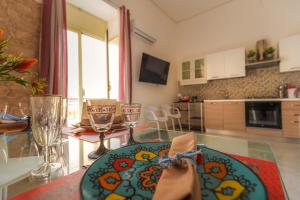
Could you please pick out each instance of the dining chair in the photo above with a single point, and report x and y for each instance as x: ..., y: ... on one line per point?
x: 173, y: 114
x: 154, y: 115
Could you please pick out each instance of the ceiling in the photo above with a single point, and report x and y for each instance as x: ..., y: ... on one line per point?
x: 99, y: 8
x: 181, y: 10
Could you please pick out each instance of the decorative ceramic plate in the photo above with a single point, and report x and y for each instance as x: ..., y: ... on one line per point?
x: 132, y: 172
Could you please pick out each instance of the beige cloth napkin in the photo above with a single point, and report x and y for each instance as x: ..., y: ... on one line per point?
x: 177, y: 183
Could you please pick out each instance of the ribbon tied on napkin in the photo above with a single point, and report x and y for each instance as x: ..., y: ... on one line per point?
x: 179, y: 159
x: 179, y: 179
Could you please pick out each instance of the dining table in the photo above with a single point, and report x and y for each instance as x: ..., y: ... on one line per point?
x: 22, y: 155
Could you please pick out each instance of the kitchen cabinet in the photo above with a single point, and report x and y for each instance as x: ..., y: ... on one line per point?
x: 193, y: 72
x: 235, y: 65
x: 291, y: 118
x: 234, y: 116
x: 289, y: 49
x: 213, y: 115
x: 225, y: 115
x: 215, y: 66
x: 226, y: 64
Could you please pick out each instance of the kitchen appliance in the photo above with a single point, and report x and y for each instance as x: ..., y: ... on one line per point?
x: 292, y: 91
x: 281, y: 90
x: 263, y: 114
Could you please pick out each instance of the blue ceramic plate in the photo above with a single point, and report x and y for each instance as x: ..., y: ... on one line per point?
x: 132, y: 172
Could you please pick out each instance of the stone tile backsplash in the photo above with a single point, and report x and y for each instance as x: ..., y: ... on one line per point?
x: 260, y: 82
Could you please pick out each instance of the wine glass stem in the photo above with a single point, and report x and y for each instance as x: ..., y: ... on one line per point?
x: 46, y: 155
x: 131, y: 139
x: 102, y: 149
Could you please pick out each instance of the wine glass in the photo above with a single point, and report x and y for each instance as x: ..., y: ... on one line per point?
x: 3, y: 110
x: 25, y: 112
x: 46, y: 125
x: 27, y: 147
x: 57, y: 151
x: 131, y: 115
x: 62, y: 140
x: 101, y: 118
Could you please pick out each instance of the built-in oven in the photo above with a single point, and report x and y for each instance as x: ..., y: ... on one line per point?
x: 263, y: 114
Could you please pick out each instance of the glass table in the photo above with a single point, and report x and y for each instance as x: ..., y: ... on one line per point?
x: 20, y: 148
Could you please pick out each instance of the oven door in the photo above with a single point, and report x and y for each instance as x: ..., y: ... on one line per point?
x: 263, y: 114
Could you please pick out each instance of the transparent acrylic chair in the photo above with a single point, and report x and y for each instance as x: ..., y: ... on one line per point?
x: 154, y: 115
x: 173, y: 114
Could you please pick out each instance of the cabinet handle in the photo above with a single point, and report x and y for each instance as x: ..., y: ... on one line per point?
x: 296, y: 115
x: 296, y: 122
x: 295, y: 67
x: 215, y: 77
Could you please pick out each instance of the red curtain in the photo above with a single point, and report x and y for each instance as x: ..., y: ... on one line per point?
x: 125, y: 60
x: 53, y: 51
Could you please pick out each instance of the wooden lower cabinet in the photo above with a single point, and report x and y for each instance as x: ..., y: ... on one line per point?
x: 225, y: 115
x: 213, y: 115
x: 291, y: 118
x: 234, y: 116
x: 230, y: 115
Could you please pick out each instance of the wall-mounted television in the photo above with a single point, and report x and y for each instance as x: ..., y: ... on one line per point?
x: 154, y: 70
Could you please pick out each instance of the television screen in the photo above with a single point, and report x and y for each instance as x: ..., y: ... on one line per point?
x: 154, y: 70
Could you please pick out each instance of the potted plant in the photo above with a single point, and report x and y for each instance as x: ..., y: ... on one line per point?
x: 17, y: 69
x: 269, y: 53
x: 251, y: 56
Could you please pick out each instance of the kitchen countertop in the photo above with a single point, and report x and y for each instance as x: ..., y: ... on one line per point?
x: 267, y: 99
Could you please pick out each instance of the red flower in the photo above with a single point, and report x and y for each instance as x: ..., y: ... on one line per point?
x: 26, y: 64
x: 1, y: 34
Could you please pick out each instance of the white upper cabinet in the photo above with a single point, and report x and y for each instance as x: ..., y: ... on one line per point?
x: 226, y: 64
x: 289, y: 50
x: 193, y: 72
x: 215, y: 66
x: 235, y: 65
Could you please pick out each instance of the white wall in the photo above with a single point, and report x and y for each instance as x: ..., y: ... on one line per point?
x: 151, y: 20
x: 238, y: 23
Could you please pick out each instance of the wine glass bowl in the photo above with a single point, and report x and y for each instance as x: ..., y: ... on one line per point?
x: 131, y: 115
x: 101, y: 118
x: 24, y: 110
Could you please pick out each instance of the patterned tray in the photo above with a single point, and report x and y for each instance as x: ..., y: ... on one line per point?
x: 132, y: 172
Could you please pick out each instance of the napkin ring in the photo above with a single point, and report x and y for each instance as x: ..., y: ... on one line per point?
x: 179, y: 160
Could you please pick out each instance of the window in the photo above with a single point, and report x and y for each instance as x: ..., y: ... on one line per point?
x: 94, y: 69
x: 73, y: 77
x: 114, y: 68
x: 88, y: 73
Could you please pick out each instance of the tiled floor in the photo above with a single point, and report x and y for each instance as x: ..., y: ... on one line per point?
x: 287, y: 155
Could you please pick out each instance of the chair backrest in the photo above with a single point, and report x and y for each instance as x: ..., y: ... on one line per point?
x: 167, y: 108
x: 171, y: 111
x: 150, y: 113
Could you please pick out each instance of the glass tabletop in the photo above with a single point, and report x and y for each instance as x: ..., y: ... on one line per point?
x: 20, y: 147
